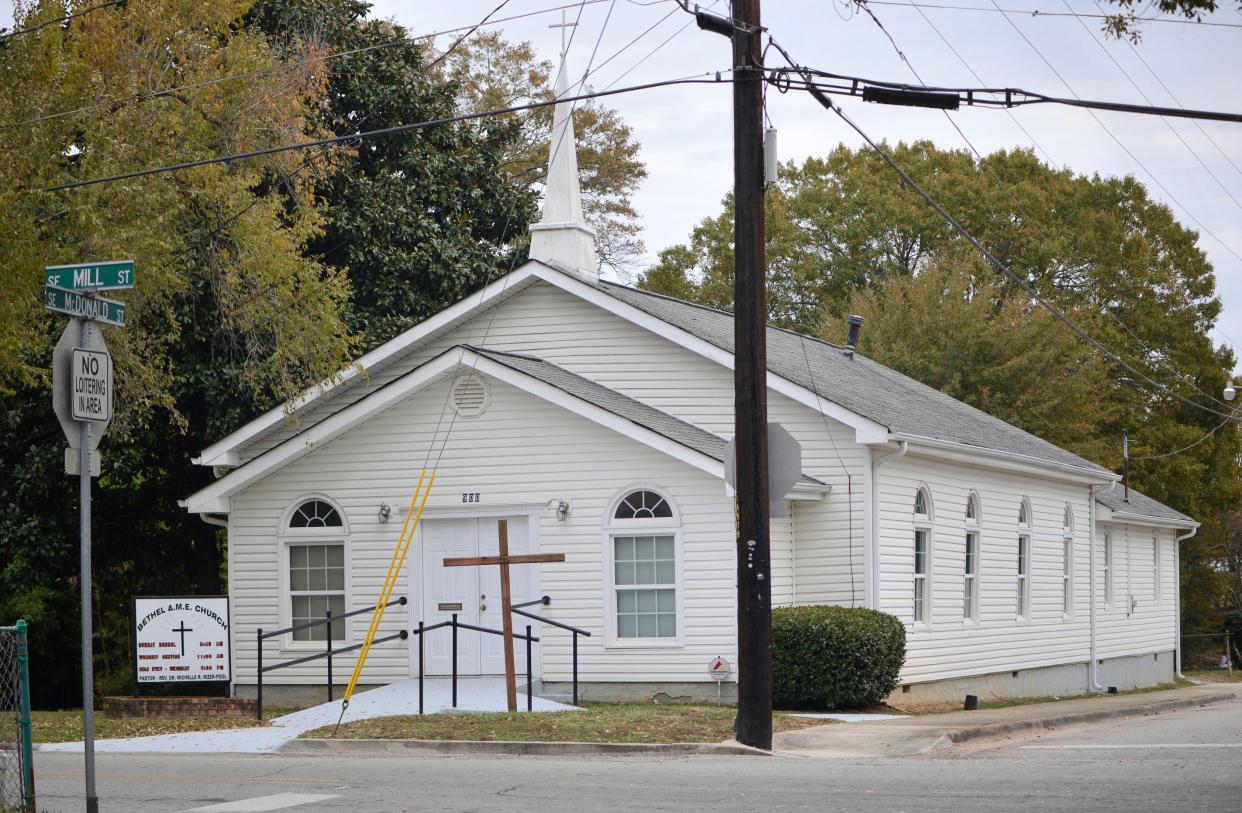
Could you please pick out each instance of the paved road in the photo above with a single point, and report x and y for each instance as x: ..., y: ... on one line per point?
x: 1186, y: 760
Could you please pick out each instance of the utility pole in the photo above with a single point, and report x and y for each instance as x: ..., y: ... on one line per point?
x: 750, y: 390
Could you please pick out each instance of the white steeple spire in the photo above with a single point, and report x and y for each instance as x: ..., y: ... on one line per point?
x: 562, y: 237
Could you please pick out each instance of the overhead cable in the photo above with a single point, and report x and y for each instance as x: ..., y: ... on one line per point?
x: 400, y: 128
x: 1038, y: 13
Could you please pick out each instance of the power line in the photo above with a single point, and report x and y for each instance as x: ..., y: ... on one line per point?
x: 400, y: 128
x: 1005, y: 188
x: 59, y: 20
x: 1167, y: 123
x: 1188, y: 446
x: 1099, y: 346
x: 1114, y: 137
x: 163, y: 93
x: 993, y: 97
x: 1038, y: 13
x: 1178, y: 101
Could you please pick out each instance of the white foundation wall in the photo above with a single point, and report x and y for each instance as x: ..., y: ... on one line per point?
x: 948, y: 645
x: 1149, y: 623
x: 520, y: 452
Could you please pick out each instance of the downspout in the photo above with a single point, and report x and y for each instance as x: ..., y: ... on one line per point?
x: 876, y: 462
x: 1177, y: 595
x: 1093, y: 665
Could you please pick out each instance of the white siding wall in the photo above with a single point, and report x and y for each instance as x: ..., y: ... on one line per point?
x: 521, y: 451
x: 550, y: 324
x: 1152, y: 626
x: 949, y: 646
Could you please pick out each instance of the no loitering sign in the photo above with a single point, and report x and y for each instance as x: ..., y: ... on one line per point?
x: 90, y: 397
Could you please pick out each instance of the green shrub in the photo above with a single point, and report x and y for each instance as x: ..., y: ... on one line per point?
x: 835, y: 657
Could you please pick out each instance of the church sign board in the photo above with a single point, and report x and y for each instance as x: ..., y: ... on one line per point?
x: 182, y: 639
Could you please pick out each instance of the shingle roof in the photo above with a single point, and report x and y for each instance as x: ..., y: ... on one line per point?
x: 1142, y: 506
x: 860, y: 385
x: 623, y: 406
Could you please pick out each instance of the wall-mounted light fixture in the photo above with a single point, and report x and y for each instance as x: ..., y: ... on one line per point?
x: 562, y: 510
x: 385, y: 511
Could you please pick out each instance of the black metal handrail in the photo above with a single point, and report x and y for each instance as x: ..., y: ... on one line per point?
x: 545, y: 601
x: 328, y: 619
x: 529, y: 638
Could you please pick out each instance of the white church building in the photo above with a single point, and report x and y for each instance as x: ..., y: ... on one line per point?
x: 594, y: 417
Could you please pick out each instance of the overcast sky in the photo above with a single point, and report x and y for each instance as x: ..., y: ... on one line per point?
x: 685, y: 131
x: 686, y: 137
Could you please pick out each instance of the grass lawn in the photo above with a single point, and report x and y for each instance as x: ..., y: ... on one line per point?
x: 66, y: 726
x: 598, y: 722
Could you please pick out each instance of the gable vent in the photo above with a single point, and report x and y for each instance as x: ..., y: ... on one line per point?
x: 470, y: 395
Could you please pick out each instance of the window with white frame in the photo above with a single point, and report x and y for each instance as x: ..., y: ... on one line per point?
x: 1108, y: 569
x: 1067, y: 562
x: 1024, y: 559
x: 644, y: 567
x: 1157, y: 575
x: 315, y: 547
x: 922, y: 556
x: 970, y: 581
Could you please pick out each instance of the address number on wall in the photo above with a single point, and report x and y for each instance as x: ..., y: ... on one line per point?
x: 470, y: 496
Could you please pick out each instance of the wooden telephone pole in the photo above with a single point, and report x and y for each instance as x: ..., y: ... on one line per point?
x: 750, y: 302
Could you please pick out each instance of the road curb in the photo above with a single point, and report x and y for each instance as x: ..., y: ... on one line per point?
x: 312, y: 747
x: 989, y: 730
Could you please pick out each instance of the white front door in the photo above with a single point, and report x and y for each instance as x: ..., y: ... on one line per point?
x: 472, y: 593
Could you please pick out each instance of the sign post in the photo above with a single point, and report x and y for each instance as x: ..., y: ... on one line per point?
x: 83, y: 395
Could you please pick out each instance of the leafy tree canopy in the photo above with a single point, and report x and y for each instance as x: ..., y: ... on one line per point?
x: 845, y: 235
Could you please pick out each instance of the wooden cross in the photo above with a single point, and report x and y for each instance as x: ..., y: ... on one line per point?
x: 504, y: 560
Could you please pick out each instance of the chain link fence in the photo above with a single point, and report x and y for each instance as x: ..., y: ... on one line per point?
x: 16, y: 771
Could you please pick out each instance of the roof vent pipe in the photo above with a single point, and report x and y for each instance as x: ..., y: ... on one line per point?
x: 856, y: 323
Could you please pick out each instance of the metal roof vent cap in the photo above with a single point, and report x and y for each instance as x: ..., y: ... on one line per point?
x: 470, y: 395
x: 856, y: 323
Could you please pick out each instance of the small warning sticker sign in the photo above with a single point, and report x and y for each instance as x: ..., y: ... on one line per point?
x: 719, y: 668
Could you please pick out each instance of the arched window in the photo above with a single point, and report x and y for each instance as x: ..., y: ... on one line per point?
x: 315, y: 514
x: 1024, y: 559
x: 316, y: 569
x: 1067, y: 561
x: 970, y: 583
x: 922, y: 555
x: 646, y: 583
x: 643, y: 505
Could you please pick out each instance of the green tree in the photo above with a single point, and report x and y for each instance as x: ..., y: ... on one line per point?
x: 845, y: 233
x: 997, y: 354
x: 229, y: 311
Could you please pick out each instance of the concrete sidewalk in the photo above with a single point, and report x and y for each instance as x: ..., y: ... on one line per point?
x: 929, y: 733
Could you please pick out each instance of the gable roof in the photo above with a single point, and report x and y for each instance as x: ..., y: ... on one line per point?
x: 909, y: 409
x: 879, y: 403
x: 1141, y: 508
x: 542, y: 379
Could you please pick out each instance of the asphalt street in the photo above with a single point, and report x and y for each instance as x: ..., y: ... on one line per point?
x: 1184, y: 760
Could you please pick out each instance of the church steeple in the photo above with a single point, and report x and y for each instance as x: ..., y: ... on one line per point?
x: 561, y: 237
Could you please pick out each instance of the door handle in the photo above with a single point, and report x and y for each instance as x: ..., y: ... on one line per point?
x: 482, y: 608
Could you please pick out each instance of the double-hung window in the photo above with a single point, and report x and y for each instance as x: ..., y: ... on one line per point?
x: 1067, y: 563
x: 970, y: 581
x: 1024, y: 560
x: 922, y: 556
x: 316, y: 569
x: 1157, y: 590
x: 1108, y: 569
x: 644, y: 568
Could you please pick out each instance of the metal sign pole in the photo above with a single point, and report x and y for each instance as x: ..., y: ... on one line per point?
x: 88, y: 671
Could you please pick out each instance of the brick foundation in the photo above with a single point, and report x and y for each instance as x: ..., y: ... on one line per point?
x: 114, y: 707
